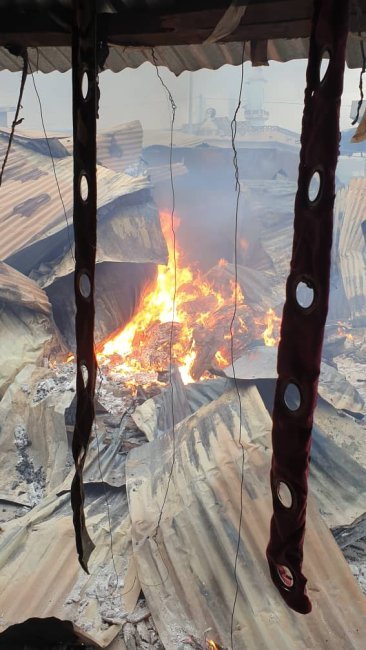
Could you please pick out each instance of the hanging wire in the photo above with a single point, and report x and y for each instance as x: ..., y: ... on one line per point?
x: 52, y: 159
x: 173, y: 112
x: 16, y: 120
x: 238, y: 192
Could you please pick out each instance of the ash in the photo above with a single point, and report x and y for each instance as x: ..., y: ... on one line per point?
x: 35, y: 479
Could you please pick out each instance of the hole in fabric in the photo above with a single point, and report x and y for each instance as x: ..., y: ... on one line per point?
x: 324, y: 64
x: 84, y: 187
x: 305, y: 294
x: 292, y: 397
x: 85, y: 85
x: 84, y: 374
x: 285, y: 576
x: 284, y: 494
x: 84, y: 285
x: 314, y: 187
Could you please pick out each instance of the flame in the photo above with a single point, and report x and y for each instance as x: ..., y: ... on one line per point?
x: 343, y: 331
x: 211, y: 645
x: 181, y: 299
x: 272, y: 325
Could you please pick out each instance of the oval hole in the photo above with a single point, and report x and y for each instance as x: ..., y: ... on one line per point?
x: 84, y: 187
x: 285, y: 576
x: 284, y: 494
x: 85, y: 85
x: 314, y: 187
x: 324, y: 65
x: 292, y: 397
x: 305, y: 294
x: 84, y: 374
x: 84, y: 285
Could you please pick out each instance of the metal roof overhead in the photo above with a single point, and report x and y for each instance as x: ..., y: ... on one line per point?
x: 185, y: 36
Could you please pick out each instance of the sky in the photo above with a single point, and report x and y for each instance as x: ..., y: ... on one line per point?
x: 138, y: 94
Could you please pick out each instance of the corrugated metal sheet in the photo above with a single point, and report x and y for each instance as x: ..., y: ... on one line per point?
x: 39, y: 572
x: 40, y: 576
x: 16, y: 288
x: 349, y: 244
x: 130, y: 233
x: 31, y: 211
x: 257, y: 137
x: 177, y: 58
x: 186, y: 567
x: 338, y: 467
x: 120, y: 147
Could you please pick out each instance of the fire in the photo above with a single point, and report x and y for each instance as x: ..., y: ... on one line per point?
x: 211, y: 645
x: 172, y: 302
x: 186, y: 320
x: 272, y: 325
x: 344, y: 331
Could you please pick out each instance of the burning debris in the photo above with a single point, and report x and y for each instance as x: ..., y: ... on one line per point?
x: 150, y: 349
x: 192, y: 329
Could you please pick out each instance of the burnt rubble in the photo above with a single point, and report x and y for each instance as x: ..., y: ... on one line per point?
x: 171, y: 585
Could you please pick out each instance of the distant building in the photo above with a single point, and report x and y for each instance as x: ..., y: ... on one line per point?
x: 4, y: 110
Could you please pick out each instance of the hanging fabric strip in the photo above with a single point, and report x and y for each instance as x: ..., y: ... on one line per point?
x: 305, y: 310
x: 84, y: 85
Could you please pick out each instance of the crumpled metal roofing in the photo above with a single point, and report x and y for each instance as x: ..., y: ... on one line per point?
x: 17, y: 289
x: 39, y: 573
x: 30, y: 205
x: 260, y: 363
x: 120, y: 147
x: 338, y: 467
x: 186, y: 565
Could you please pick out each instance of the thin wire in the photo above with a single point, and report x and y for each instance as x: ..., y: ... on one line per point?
x: 16, y: 120
x: 52, y: 159
x: 173, y: 109
x: 238, y: 191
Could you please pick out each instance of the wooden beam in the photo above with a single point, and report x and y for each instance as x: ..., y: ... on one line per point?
x: 263, y: 20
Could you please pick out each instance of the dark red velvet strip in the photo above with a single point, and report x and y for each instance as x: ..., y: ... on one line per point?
x: 302, y: 329
x: 85, y: 230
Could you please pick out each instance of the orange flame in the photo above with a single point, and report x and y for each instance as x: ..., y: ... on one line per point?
x: 343, y: 331
x: 195, y: 302
x: 272, y: 326
x: 211, y: 645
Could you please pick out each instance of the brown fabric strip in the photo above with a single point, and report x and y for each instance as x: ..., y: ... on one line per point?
x: 84, y: 76
x: 302, y: 330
